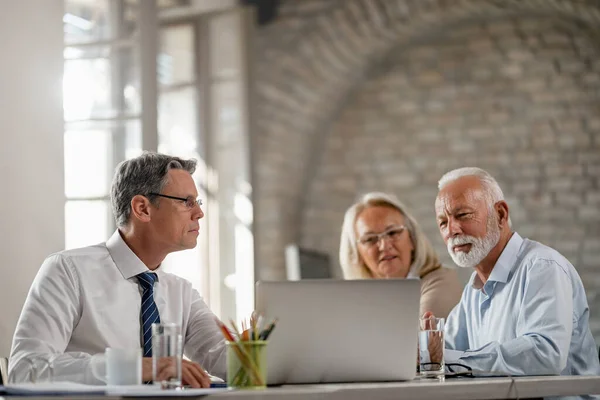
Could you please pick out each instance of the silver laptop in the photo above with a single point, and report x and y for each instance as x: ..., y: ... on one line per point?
x: 341, y: 331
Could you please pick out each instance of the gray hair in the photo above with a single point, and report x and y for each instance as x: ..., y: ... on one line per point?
x: 424, y: 258
x: 490, y: 186
x: 141, y: 176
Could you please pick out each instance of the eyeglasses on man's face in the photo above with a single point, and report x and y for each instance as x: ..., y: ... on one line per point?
x: 372, y: 239
x: 190, y: 202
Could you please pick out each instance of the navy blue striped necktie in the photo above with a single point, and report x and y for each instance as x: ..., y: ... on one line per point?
x: 149, y: 311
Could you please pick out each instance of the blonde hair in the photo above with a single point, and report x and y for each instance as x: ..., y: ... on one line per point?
x: 424, y: 258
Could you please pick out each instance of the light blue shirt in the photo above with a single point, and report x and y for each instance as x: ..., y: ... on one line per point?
x: 529, y: 318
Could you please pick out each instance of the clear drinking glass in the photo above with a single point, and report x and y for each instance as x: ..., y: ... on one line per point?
x: 431, y: 347
x: 167, y: 353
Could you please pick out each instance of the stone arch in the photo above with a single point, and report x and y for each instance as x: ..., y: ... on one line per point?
x: 302, y: 88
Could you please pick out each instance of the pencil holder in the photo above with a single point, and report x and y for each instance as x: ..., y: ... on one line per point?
x: 246, y: 364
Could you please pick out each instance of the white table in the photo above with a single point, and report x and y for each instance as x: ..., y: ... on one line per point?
x: 451, y: 389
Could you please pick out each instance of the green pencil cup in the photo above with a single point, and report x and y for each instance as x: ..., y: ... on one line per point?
x: 247, y: 364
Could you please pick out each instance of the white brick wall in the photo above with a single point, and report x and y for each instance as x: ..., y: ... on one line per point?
x: 361, y: 95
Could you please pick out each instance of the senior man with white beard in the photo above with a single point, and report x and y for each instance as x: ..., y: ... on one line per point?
x: 524, y: 310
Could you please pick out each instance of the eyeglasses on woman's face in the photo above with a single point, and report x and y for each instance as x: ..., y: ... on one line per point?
x: 372, y: 239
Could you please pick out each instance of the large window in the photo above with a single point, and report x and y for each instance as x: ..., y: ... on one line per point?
x: 178, y: 134
x: 116, y: 105
x: 101, y: 110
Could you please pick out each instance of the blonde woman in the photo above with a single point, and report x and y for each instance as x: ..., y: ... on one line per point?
x: 381, y: 240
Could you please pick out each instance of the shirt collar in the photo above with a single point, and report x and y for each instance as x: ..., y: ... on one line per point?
x: 504, y: 265
x: 125, y: 259
x: 474, y: 281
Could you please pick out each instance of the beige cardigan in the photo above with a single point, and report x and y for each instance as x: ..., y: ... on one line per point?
x: 440, y: 292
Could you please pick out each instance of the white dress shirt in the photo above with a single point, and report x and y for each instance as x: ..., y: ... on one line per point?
x: 85, y: 300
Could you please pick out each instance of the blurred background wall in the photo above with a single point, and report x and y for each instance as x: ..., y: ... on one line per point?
x: 31, y: 149
x: 363, y: 95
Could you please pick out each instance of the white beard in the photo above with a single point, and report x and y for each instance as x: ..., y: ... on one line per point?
x: 480, y: 247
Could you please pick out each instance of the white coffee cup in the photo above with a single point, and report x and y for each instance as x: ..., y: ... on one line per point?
x: 121, y: 366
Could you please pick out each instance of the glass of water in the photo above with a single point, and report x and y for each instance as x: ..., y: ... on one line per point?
x: 167, y: 353
x: 431, y: 347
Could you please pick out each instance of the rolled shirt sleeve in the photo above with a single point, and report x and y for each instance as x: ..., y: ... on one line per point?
x: 204, y: 342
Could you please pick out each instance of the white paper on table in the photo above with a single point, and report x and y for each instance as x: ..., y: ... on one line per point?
x: 52, y: 388
x: 155, y: 391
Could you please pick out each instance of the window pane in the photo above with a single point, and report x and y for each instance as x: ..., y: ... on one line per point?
x: 176, y: 57
x: 86, y: 223
x: 187, y: 264
x: 225, y: 46
x: 133, y: 140
x: 86, y: 21
x: 87, y: 163
x: 244, y: 270
x: 93, y: 149
x: 88, y: 52
x: 177, y: 125
x: 86, y: 89
x: 89, y: 83
x: 131, y: 81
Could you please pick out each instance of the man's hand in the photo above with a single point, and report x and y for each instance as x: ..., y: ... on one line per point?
x: 427, y: 316
x: 436, y: 347
x: 192, y: 374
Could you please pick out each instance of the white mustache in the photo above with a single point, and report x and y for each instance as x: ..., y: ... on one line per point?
x: 460, y: 240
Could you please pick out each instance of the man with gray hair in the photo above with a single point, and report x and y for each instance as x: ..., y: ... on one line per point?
x: 524, y: 310
x: 85, y: 300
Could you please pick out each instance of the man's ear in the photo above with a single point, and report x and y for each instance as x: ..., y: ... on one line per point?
x: 502, y: 210
x: 140, y: 208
